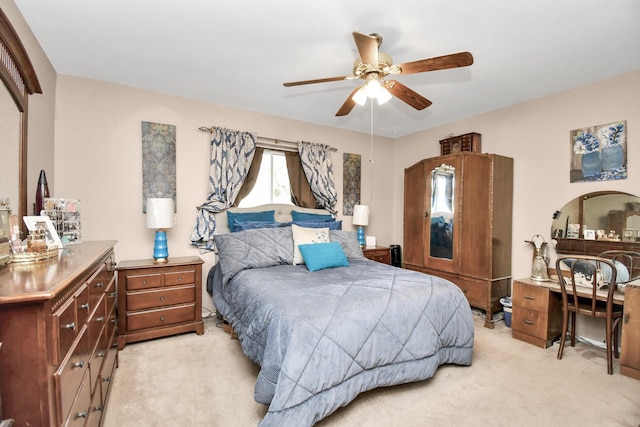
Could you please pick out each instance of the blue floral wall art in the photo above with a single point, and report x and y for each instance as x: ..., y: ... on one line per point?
x: 599, y: 153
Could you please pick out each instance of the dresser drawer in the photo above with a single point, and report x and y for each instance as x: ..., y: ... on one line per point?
x: 79, y: 412
x: 97, y: 284
x: 530, y: 322
x: 143, y: 281
x: 179, y: 277
x: 476, y: 293
x: 68, y: 320
x: 160, y: 298
x: 71, y: 372
x: 160, y: 317
x: 531, y: 297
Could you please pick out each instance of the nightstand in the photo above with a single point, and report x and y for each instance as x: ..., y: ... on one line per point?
x: 379, y: 253
x: 159, y: 299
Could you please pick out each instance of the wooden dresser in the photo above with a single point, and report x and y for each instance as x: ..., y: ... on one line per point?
x: 159, y: 299
x: 58, y: 333
x: 379, y: 253
x: 630, y: 344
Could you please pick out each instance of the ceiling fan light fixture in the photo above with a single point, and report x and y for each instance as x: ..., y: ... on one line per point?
x: 383, y: 96
x: 360, y: 97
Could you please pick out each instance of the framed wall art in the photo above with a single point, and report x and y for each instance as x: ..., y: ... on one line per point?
x: 599, y: 153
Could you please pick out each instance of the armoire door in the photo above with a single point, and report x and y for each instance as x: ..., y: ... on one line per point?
x: 442, y: 226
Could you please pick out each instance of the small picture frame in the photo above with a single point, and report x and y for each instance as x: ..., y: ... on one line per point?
x: 590, y: 234
x: 52, y: 236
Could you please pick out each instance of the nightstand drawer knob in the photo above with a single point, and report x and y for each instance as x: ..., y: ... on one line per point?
x: 162, y: 298
x: 144, y: 282
x: 528, y: 322
x: 179, y: 278
x: 162, y: 318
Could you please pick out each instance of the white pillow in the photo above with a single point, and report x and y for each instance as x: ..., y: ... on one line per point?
x: 303, y: 236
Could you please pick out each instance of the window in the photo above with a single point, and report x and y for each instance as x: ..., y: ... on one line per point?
x: 272, y: 185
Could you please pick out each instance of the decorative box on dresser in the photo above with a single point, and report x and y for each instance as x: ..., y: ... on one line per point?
x: 630, y: 343
x: 466, y: 238
x: 58, y: 332
x: 379, y: 253
x: 536, y: 313
x: 159, y: 299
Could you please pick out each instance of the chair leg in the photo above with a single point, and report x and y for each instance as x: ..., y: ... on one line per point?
x: 608, y: 339
x: 616, y: 354
x: 573, y: 329
x: 563, y: 337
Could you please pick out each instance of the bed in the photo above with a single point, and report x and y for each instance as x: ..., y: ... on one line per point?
x: 322, y: 337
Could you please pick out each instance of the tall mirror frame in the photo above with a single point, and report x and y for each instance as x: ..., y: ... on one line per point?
x: 19, y: 77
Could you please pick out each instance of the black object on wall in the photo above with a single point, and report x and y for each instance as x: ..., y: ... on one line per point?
x: 396, y: 255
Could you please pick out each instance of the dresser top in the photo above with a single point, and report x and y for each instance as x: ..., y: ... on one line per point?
x: 41, y: 280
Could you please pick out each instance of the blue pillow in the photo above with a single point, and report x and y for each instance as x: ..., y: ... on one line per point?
x: 318, y: 256
x: 252, y: 225
x: 305, y: 216
x: 331, y: 225
x: 233, y: 217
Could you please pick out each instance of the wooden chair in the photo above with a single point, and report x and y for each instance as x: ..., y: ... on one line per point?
x: 630, y: 259
x: 587, y: 274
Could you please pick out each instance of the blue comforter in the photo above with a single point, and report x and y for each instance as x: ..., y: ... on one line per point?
x: 322, y: 338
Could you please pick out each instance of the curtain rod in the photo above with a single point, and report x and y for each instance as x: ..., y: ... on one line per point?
x: 265, y: 139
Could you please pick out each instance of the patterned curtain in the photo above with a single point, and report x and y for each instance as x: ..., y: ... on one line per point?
x: 232, y: 152
x: 317, y: 165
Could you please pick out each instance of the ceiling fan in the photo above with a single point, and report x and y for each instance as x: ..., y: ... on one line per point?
x: 373, y: 66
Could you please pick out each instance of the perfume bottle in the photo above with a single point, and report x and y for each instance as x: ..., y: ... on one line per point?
x: 42, y: 192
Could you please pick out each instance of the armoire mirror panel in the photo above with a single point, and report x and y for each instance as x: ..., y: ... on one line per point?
x: 442, y: 203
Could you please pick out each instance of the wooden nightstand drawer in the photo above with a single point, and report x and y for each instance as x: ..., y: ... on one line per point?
x: 531, y: 297
x: 143, y: 281
x: 160, y: 298
x: 379, y: 254
x: 160, y: 317
x: 179, y: 278
x: 530, y: 322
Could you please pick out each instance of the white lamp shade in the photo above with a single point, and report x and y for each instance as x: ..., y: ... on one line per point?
x: 160, y: 213
x: 360, y: 215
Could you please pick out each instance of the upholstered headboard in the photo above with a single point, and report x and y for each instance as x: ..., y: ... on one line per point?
x: 282, y: 214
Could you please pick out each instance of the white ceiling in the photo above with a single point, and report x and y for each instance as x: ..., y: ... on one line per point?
x: 238, y: 53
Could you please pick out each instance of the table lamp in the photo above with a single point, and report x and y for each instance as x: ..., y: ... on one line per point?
x: 160, y: 215
x: 361, y: 218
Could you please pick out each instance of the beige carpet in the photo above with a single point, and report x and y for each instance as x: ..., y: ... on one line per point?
x: 191, y: 380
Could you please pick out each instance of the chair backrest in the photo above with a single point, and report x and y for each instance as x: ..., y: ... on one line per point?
x: 630, y: 259
x: 587, y: 275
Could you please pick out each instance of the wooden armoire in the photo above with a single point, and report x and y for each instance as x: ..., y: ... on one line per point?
x: 457, y: 224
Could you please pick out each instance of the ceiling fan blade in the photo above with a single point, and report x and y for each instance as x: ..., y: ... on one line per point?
x: 367, y: 48
x: 461, y: 59
x: 348, y: 104
x: 325, y: 80
x: 407, y: 95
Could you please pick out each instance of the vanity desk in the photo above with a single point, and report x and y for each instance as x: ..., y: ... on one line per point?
x: 537, y: 318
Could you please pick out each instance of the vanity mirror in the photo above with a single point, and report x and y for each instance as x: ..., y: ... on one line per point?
x: 19, y: 81
x: 611, y: 218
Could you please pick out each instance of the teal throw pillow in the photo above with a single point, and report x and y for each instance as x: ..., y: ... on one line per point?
x: 305, y: 216
x: 318, y: 256
x: 235, y: 217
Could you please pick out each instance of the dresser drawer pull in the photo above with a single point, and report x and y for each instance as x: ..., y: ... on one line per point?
x: 528, y: 322
x: 71, y: 326
x: 113, y: 321
x: 162, y: 298
x: 100, y: 285
x: 626, y: 318
x: 112, y: 295
x: 106, y: 379
x: 179, y: 278
x: 79, y: 364
x: 98, y: 408
x: 144, y: 282
x: 82, y: 414
x: 162, y: 318
x: 100, y: 354
x: 529, y: 297
x: 85, y: 306
x: 100, y: 319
